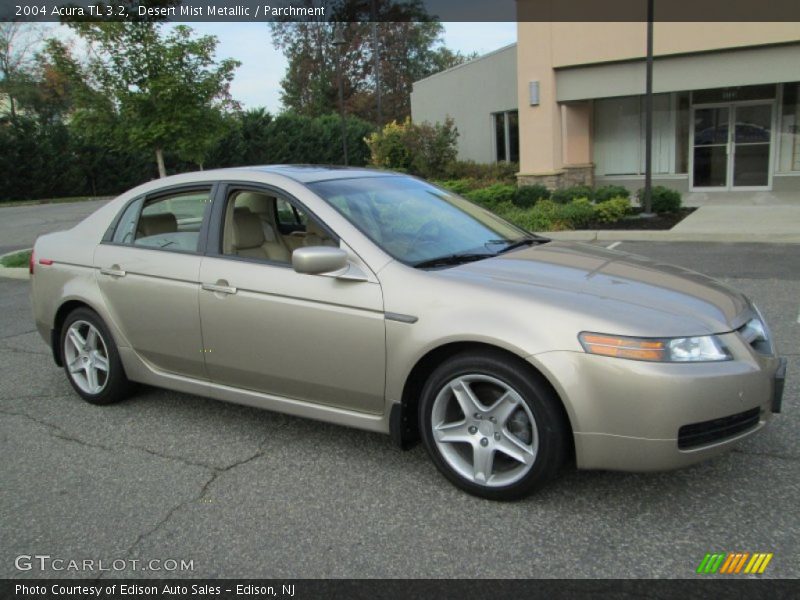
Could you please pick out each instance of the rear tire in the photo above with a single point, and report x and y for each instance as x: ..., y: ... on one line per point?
x: 491, y: 427
x: 91, y: 360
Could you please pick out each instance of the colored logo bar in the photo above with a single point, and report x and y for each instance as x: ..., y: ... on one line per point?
x: 734, y: 563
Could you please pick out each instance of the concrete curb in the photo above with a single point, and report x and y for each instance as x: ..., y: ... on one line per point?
x: 17, y: 272
x: 671, y: 236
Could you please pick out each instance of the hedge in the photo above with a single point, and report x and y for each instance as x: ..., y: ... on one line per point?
x: 663, y: 200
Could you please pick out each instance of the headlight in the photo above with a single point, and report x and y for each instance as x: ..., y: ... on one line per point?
x: 686, y: 349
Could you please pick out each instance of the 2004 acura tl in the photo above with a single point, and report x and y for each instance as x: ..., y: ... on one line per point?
x: 382, y: 302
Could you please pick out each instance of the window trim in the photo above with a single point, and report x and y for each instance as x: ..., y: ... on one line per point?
x: 216, y: 229
x: 108, y: 237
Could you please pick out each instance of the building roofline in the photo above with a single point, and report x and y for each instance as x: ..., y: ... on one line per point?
x: 469, y: 62
x: 658, y: 57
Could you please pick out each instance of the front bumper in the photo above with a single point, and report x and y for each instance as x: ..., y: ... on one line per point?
x: 628, y: 415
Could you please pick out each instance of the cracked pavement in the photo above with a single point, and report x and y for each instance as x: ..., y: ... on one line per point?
x: 249, y: 493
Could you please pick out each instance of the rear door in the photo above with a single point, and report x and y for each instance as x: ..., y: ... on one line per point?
x: 147, y: 271
x: 270, y: 329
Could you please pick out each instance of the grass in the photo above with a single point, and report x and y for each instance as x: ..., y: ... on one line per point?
x: 16, y: 260
x: 51, y: 201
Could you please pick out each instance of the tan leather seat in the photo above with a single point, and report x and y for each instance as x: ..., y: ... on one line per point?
x: 157, y: 224
x: 263, y: 206
x: 248, y: 238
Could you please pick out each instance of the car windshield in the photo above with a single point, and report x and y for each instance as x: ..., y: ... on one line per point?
x: 418, y: 223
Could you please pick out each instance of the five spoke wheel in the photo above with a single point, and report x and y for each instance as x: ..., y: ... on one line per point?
x: 86, y: 357
x: 484, y: 430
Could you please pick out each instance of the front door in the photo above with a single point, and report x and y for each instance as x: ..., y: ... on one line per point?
x: 270, y: 329
x: 731, y: 146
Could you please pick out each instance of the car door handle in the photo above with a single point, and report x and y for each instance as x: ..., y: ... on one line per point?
x: 113, y: 272
x: 220, y: 289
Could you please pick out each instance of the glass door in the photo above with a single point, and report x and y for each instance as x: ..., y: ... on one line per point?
x: 752, y: 137
x: 710, y: 147
x: 731, y: 146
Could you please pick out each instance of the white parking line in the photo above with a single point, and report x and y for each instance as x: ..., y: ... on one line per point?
x: 612, y: 246
x: 798, y: 316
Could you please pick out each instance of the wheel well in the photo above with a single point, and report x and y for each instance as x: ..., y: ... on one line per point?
x: 408, y: 434
x: 61, y: 316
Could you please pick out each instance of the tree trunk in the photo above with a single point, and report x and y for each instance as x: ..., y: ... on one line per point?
x: 162, y: 171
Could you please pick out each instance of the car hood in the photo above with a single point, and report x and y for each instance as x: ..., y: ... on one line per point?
x: 608, y: 287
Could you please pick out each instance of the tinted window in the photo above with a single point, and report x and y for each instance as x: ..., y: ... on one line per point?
x: 127, y: 223
x: 264, y: 227
x: 172, y: 222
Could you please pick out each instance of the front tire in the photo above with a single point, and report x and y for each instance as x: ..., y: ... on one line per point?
x: 491, y: 427
x: 91, y: 360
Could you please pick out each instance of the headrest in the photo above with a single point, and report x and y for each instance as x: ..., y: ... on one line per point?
x: 257, y: 203
x: 157, y: 224
x: 247, y: 230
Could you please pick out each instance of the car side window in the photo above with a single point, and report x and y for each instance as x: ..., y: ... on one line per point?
x: 173, y: 221
x: 126, y: 226
x: 263, y: 226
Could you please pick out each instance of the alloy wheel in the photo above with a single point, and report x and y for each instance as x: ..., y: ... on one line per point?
x: 484, y: 430
x: 86, y: 357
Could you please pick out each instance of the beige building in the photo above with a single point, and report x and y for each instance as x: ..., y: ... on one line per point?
x: 726, y: 104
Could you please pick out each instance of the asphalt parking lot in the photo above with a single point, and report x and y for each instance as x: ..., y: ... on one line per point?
x: 248, y: 493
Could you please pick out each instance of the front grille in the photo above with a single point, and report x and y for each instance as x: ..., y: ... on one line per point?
x: 707, y: 432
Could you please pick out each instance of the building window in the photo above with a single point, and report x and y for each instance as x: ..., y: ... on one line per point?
x: 790, y: 128
x: 506, y: 136
x: 619, y: 135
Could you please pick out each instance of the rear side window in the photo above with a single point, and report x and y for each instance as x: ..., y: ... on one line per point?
x: 169, y: 222
x: 127, y: 223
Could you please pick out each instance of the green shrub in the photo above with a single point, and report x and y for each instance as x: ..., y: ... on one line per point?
x: 607, y: 192
x: 569, y: 194
x: 550, y: 216
x: 527, y: 219
x: 611, y: 211
x: 576, y: 214
x: 15, y: 261
x: 664, y: 200
x: 500, y: 172
x: 492, y: 195
x: 528, y: 195
x: 419, y: 148
x: 460, y: 186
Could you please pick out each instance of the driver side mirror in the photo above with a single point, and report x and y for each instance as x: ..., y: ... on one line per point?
x: 316, y: 260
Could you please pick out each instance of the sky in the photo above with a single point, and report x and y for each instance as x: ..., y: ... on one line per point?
x: 258, y: 79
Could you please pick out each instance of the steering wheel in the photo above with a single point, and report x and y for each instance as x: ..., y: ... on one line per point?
x: 429, y: 230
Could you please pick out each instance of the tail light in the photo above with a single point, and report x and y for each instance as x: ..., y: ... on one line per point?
x: 31, y: 262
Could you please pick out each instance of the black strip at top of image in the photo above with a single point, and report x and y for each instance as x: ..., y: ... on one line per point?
x: 399, y: 10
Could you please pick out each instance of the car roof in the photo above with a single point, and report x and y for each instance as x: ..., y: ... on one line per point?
x: 314, y: 173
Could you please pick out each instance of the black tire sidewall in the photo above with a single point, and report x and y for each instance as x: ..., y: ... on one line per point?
x: 117, y: 385
x: 541, y: 400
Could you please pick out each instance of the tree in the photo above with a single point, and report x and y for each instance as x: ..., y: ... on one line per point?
x: 409, y: 48
x: 18, y: 42
x: 161, y: 90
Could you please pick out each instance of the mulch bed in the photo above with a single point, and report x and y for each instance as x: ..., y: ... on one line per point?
x: 659, y: 222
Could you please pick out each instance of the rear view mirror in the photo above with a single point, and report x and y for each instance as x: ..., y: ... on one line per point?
x: 316, y: 260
